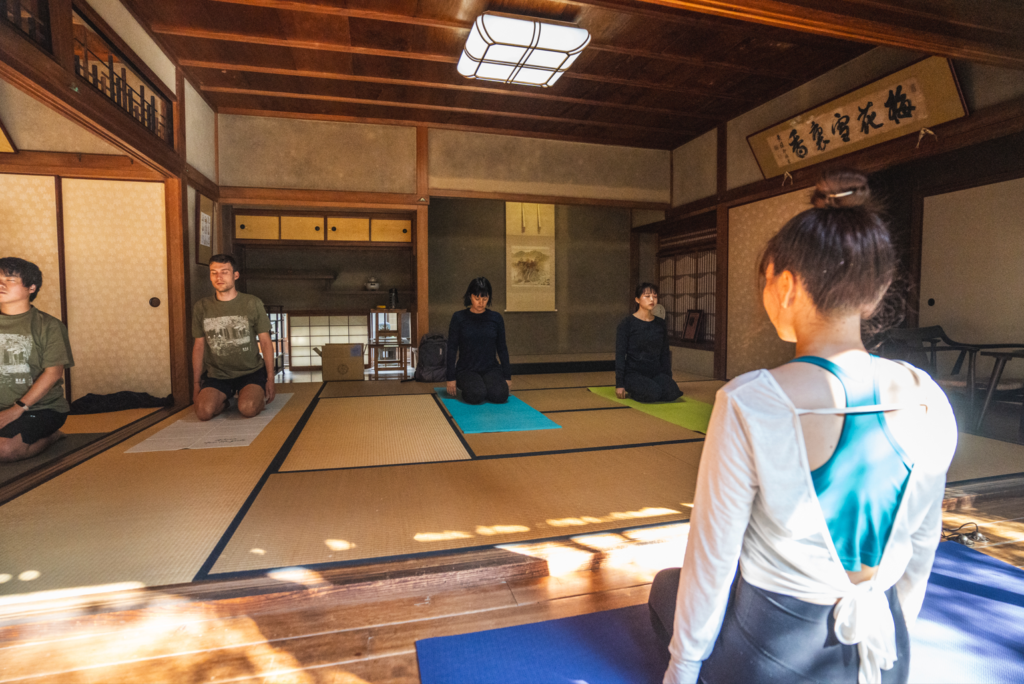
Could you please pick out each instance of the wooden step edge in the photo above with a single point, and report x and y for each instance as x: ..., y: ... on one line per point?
x: 967, y: 494
x: 349, y: 584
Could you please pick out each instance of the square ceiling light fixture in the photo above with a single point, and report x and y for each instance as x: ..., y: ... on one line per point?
x: 512, y: 49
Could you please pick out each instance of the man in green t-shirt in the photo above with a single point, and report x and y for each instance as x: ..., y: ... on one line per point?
x: 34, y: 351
x: 231, y: 329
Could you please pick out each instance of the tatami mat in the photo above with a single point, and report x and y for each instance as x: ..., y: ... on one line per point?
x: 343, y: 515
x: 374, y: 431
x: 103, y: 422
x: 978, y: 457
x: 572, y: 399
x: 143, y: 519
x: 582, y: 430
x: 10, y: 471
x: 559, y: 380
x: 377, y: 388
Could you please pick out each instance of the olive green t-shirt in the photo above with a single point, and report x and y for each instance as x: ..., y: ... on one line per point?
x: 230, y: 329
x: 29, y: 344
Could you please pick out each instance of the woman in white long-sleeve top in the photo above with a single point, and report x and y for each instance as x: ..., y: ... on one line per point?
x: 822, y: 479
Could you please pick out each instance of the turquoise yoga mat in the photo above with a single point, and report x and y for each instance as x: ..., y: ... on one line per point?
x: 512, y: 416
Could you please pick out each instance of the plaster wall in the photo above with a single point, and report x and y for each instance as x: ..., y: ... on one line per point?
x: 642, y: 217
x: 972, y: 251
x: 200, y: 133
x: 696, y: 361
x: 265, y: 152
x: 984, y: 86
x: 467, y: 239
x: 695, y: 169
x: 481, y: 162
x: 28, y: 229
x: 132, y: 33
x: 751, y: 341
x: 34, y: 126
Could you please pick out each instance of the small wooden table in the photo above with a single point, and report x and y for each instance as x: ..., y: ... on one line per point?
x: 1001, y: 357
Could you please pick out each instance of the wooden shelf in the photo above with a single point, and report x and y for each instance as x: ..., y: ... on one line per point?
x: 285, y: 274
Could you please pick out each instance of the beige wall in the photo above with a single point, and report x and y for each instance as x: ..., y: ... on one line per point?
x: 265, y: 152
x: 696, y: 361
x: 200, y: 137
x: 481, y: 162
x: 132, y: 33
x: 972, y: 265
x: 116, y: 260
x: 34, y: 126
x: 752, y: 342
x: 28, y: 229
x: 695, y: 169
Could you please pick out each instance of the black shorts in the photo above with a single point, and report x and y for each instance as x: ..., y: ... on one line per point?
x: 34, y: 425
x: 229, y: 387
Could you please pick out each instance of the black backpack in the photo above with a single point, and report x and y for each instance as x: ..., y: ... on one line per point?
x: 431, y: 359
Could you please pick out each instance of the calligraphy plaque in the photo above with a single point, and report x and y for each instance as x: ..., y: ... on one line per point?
x: 922, y: 95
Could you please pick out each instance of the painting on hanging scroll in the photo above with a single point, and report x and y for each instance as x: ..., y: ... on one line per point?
x: 529, y: 257
x: 923, y: 95
x: 6, y: 144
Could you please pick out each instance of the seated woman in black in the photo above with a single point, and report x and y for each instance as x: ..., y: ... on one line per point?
x: 476, y: 337
x: 643, y: 362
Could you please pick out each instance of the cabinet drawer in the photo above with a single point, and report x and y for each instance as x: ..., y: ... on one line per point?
x: 391, y: 230
x: 348, y: 229
x: 302, y: 228
x: 256, y: 227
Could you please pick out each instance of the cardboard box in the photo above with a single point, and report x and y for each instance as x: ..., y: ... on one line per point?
x: 342, y: 362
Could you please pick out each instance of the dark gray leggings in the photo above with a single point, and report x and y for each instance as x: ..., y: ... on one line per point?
x: 660, y: 387
x: 774, y: 638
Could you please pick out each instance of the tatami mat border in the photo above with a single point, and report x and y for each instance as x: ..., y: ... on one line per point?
x: 599, y: 408
x: 275, y: 464
x: 453, y: 426
x: 980, y: 480
x: 262, y: 572
x: 586, y: 449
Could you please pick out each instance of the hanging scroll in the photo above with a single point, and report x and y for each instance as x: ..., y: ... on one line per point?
x: 6, y: 144
x: 529, y: 257
x: 204, y: 229
x: 924, y: 94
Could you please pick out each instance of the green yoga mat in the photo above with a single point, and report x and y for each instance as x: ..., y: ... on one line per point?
x: 688, y: 413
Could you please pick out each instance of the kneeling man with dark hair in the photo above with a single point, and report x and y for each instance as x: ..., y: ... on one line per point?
x: 34, y: 351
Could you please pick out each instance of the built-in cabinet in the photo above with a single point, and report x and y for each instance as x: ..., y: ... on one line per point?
x: 322, y: 228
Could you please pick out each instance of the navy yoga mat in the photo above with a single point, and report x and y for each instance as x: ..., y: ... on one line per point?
x: 512, y: 416
x: 971, y: 629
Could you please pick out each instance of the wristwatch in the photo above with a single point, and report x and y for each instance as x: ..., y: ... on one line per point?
x: 20, y: 403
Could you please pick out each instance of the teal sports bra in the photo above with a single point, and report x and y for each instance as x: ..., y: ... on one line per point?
x: 860, y: 487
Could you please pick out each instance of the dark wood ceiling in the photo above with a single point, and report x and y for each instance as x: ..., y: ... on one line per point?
x: 653, y: 76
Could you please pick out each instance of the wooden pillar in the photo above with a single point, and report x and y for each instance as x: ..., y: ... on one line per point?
x: 722, y: 258
x: 177, y: 309
x: 422, y: 276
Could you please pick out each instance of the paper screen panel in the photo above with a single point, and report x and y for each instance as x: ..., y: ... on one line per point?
x: 28, y: 229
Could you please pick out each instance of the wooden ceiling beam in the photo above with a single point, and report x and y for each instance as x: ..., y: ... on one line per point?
x: 239, y: 37
x: 442, y: 108
x: 650, y: 85
x: 298, y: 6
x: 540, y: 95
x: 884, y: 26
x: 669, y: 143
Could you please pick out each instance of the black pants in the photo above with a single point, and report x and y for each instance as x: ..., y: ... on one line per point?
x: 480, y: 387
x: 774, y: 638
x: 660, y: 387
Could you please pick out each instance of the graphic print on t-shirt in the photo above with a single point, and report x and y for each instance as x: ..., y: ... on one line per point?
x: 227, y: 334
x: 14, y: 354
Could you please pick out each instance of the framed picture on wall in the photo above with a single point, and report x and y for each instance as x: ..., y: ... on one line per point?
x: 206, y: 238
x: 692, y: 324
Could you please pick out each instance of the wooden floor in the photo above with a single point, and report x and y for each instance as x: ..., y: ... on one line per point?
x: 361, y: 624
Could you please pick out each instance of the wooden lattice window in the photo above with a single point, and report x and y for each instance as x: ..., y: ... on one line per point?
x: 687, y: 276
x: 31, y: 17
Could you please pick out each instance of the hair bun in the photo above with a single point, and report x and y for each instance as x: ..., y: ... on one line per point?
x: 842, y: 189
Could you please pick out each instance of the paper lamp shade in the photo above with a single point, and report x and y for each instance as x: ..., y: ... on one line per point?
x: 522, y: 51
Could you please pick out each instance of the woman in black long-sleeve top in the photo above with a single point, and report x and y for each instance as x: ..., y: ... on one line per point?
x: 476, y: 337
x: 643, y: 362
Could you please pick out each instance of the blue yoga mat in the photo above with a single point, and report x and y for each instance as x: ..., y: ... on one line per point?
x: 512, y: 416
x: 971, y: 629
